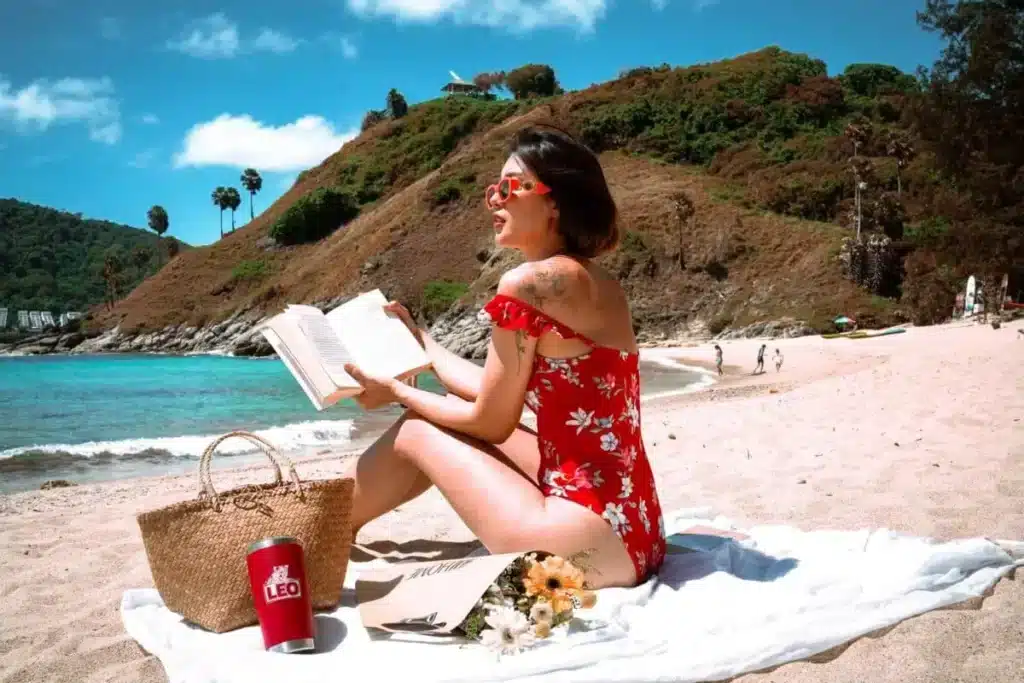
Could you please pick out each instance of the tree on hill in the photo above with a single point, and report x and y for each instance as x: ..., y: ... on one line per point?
x: 113, y: 267
x: 232, y: 200
x: 253, y: 183
x: 158, y: 220
x: 397, y: 107
x: 532, y: 80
x: 900, y: 148
x: 220, y: 200
x: 488, y: 81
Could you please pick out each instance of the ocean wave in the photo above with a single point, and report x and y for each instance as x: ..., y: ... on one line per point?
x: 287, y: 437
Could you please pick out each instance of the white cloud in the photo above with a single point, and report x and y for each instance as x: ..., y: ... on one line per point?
x: 274, y: 41
x: 241, y: 141
x: 217, y: 37
x: 518, y: 15
x: 42, y: 103
x: 110, y: 28
x: 213, y: 37
x: 150, y: 119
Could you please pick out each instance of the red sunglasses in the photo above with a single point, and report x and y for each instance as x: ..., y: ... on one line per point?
x: 500, y: 192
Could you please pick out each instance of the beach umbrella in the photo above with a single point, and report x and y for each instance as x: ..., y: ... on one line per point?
x: 844, y: 320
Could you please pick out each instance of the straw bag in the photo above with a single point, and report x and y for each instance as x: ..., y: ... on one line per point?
x: 196, y: 549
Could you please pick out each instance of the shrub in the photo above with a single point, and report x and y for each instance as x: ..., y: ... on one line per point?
x: 314, y: 216
x: 439, y: 295
x: 929, y: 288
x: 250, y: 270
x: 372, y: 118
x: 719, y: 324
x: 447, y: 192
x: 397, y: 106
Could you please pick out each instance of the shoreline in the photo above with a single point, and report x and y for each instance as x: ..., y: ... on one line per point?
x: 921, y: 433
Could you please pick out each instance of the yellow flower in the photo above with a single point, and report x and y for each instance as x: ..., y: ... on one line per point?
x: 542, y: 629
x: 554, y: 580
x: 542, y: 612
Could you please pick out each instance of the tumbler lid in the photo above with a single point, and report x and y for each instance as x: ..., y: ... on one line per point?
x: 269, y: 541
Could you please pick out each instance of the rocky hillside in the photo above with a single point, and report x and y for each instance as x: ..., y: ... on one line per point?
x: 759, y: 146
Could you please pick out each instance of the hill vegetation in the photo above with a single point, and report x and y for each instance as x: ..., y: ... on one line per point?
x: 738, y: 184
x: 55, y: 261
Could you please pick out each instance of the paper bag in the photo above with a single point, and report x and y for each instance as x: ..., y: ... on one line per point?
x: 426, y: 597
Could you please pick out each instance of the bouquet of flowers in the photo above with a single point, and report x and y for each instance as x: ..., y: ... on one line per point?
x: 534, y: 594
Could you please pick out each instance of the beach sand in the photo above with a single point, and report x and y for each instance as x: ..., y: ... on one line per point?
x: 919, y: 432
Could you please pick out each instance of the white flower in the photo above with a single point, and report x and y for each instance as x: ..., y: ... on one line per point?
x: 552, y: 479
x: 580, y: 419
x: 643, y: 516
x: 602, y: 424
x: 509, y: 633
x: 661, y: 526
x: 609, y: 442
x: 542, y: 611
x: 616, y: 518
x: 641, y: 559
x: 627, y: 487
x: 532, y: 400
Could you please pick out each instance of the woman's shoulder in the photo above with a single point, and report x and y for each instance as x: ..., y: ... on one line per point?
x: 549, y: 285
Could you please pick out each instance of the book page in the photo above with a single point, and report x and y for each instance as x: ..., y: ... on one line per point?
x: 333, y: 355
x: 299, y: 352
x: 380, y: 343
x: 289, y: 361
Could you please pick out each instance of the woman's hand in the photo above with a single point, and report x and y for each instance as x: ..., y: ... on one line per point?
x: 377, y: 391
x: 406, y: 317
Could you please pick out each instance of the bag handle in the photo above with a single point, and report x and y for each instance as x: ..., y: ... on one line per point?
x: 275, y: 456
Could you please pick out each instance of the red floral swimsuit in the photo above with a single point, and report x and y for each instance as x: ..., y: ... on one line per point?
x: 588, y: 428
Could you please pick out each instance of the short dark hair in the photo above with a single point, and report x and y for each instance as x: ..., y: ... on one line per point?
x: 587, y: 213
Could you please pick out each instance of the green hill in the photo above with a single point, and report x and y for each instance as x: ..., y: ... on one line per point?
x: 53, y: 260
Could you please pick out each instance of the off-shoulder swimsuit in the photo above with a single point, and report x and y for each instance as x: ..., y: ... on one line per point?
x: 588, y: 431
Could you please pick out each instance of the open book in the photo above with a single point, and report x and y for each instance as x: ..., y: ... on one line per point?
x: 315, y: 346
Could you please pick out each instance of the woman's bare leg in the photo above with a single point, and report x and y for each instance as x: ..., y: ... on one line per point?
x: 384, y: 480
x: 500, y: 504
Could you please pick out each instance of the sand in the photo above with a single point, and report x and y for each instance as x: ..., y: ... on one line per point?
x: 919, y: 432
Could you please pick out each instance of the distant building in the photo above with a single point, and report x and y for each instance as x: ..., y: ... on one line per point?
x: 23, y: 319
x: 35, y: 320
x: 65, y: 318
x: 47, y: 318
x: 457, y: 86
x: 3, y: 318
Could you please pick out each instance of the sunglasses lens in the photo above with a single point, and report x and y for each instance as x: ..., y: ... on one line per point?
x: 505, y: 189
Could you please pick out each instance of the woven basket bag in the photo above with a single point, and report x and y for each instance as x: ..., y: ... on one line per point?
x: 196, y: 549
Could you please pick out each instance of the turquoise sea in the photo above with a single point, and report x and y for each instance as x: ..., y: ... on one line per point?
x: 91, y: 418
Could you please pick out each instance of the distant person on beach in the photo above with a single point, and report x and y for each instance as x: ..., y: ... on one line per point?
x: 778, y: 359
x: 718, y: 358
x: 562, y: 344
x: 759, y: 368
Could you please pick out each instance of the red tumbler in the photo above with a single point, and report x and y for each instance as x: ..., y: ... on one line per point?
x: 280, y: 592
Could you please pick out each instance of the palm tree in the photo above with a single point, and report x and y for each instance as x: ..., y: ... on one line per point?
x: 158, y: 219
x: 253, y: 183
x: 232, y: 200
x: 219, y: 200
x: 900, y: 148
x: 112, y: 268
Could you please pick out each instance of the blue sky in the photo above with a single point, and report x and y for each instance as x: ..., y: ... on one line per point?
x: 110, y: 106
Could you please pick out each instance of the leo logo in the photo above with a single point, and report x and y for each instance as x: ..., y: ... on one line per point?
x: 280, y: 586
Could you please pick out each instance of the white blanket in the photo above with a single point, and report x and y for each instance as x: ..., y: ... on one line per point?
x: 730, y: 608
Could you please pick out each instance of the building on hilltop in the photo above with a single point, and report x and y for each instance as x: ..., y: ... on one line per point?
x: 47, y: 319
x: 457, y: 86
x: 23, y: 319
x: 3, y: 318
x: 67, y: 317
x: 35, y: 320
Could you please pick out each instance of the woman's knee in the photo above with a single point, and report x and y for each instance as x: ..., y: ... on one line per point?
x: 414, y: 435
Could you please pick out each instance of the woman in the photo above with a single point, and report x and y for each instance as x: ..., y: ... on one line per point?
x: 562, y: 344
